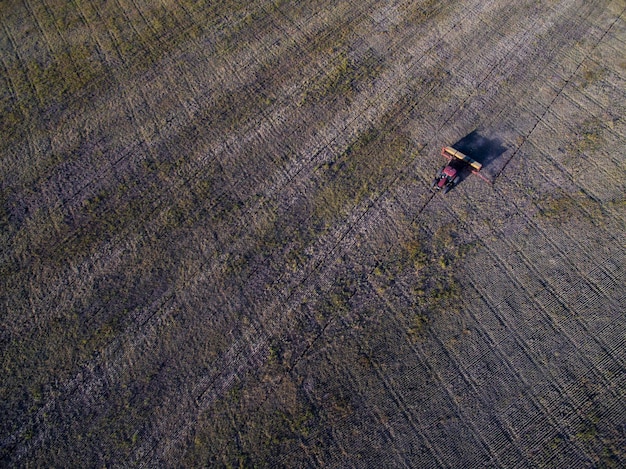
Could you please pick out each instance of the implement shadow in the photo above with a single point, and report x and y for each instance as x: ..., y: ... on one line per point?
x: 482, y: 149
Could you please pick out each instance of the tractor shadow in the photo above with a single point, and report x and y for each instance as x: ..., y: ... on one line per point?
x: 482, y: 149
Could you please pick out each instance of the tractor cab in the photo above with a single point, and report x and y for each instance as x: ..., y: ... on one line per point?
x: 447, y: 178
x: 449, y: 171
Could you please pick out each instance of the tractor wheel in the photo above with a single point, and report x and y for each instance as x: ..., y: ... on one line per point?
x: 456, y: 180
x: 434, y: 184
x: 446, y: 189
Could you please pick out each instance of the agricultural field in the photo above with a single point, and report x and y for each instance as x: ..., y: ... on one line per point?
x: 219, y: 247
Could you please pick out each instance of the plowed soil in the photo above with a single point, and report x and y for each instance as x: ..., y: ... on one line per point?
x: 220, y: 247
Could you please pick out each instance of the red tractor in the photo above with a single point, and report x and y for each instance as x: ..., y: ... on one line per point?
x: 450, y: 175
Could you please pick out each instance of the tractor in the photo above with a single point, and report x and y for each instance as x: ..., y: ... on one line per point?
x: 450, y: 174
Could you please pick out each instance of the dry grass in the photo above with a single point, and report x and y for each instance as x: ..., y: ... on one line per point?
x: 219, y: 247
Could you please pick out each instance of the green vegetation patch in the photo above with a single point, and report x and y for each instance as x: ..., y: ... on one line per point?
x: 253, y: 428
x: 588, y: 138
x: 359, y: 172
x: 345, y: 78
x: 568, y: 209
x: 429, y: 264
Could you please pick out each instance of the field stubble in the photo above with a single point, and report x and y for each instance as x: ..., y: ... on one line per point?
x: 220, y: 248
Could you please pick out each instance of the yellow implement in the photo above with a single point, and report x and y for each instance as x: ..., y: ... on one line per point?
x: 450, y: 153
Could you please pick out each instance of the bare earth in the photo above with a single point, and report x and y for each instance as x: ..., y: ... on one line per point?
x: 219, y: 246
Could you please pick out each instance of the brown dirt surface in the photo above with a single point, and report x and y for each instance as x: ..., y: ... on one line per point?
x: 220, y: 248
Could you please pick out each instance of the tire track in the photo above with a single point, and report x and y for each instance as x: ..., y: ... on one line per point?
x: 197, y: 172
x: 588, y: 256
x: 575, y: 408
x: 530, y: 265
x: 120, y: 159
x: 433, y: 371
x: 554, y: 246
x: 118, y: 64
x: 502, y: 359
x: 547, y: 318
x: 431, y: 195
x: 21, y: 62
x: 543, y: 413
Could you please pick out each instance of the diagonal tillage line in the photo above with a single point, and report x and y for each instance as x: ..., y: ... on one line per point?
x: 541, y: 59
x: 319, y: 265
x: 592, y: 163
x: 417, y: 62
x: 452, y: 114
x: 587, y: 96
x: 503, y: 107
x: 401, y: 405
x: 397, y: 396
x: 605, y: 208
x: 21, y: 63
x: 510, y: 366
x: 373, y: 203
x: 468, y: 380
x: 559, y: 92
x: 550, y: 287
x: 44, y: 34
x: 182, y: 183
x: 512, y: 278
x: 582, y: 248
x: 496, y: 66
x: 115, y: 163
x: 522, y: 345
x: 342, y: 237
x: 519, y: 341
x: 554, y: 245
x: 497, y: 118
x: 370, y: 205
x: 291, y: 367
x: 433, y: 371
x: 543, y: 413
